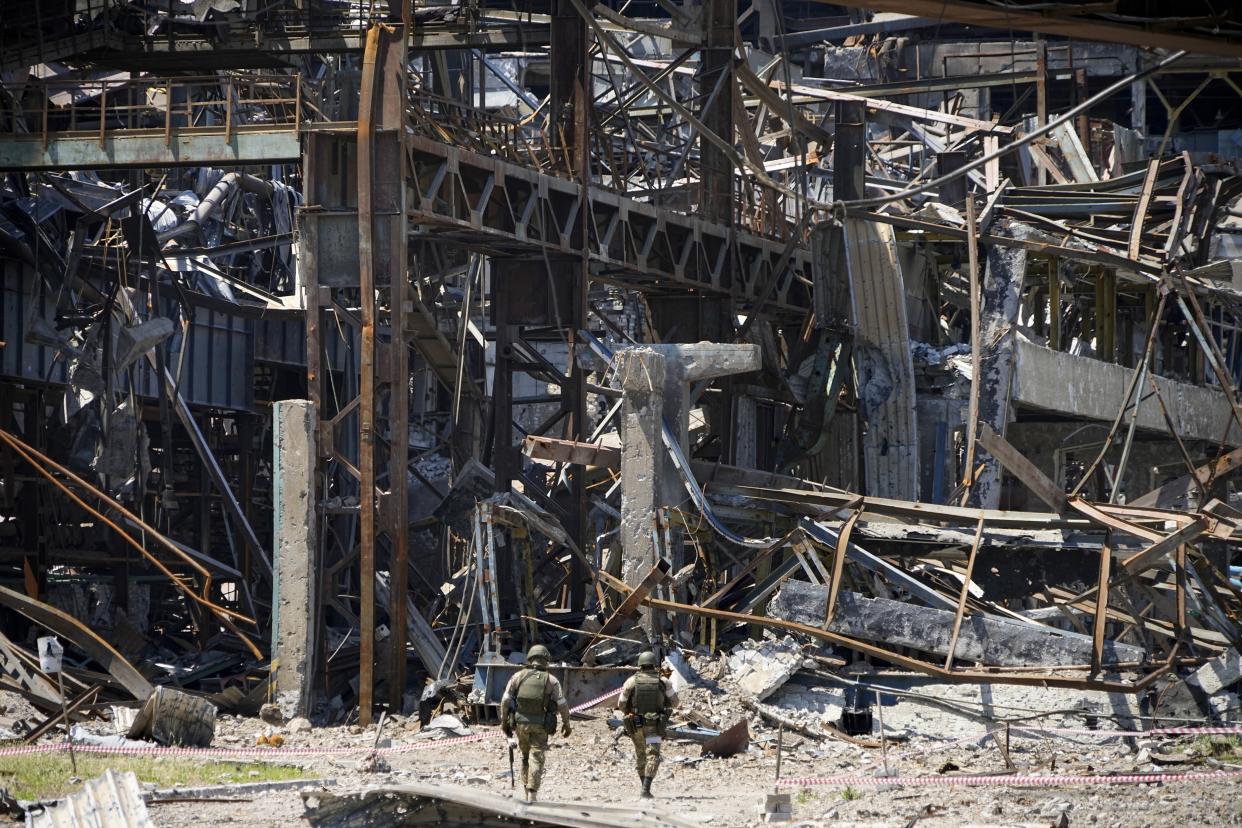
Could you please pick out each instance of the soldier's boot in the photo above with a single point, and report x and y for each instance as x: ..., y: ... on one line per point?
x: 530, y: 794
x: 646, y: 787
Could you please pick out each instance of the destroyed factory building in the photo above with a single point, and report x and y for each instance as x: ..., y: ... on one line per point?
x: 850, y: 359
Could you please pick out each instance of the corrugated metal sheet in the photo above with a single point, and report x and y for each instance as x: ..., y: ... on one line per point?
x: 111, y: 801
x: 217, y: 367
x: 886, y: 392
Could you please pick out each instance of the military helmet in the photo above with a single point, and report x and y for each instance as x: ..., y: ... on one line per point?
x: 647, y: 660
x: 538, y: 653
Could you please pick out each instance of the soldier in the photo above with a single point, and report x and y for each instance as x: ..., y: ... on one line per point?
x: 528, y: 709
x: 646, y: 700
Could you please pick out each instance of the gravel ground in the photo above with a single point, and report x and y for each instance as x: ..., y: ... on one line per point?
x: 929, y: 737
x: 728, y: 792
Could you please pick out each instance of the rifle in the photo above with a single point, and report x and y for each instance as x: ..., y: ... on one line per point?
x: 512, y: 775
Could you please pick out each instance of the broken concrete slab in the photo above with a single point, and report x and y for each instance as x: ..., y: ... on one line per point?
x: 1206, y: 691
x: 760, y: 668
x: 984, y: 640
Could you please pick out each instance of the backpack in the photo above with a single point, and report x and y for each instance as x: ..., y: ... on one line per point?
x: 532, y: 704
x: 648, y: 698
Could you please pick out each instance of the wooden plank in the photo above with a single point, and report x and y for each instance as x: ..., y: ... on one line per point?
x: 1183, y: 485
x: 976, y: 349
x: 961, y: 598
x: 1101, y: 606
x: 1187, y: 534
x: 1140, y: 209
x: 1113, y: 522
x: 893, y: 108
x: 569, y: 451
x: 1027, y: 472
x: 71, y: 710
x: 838, y: 562
x: 655, y: 576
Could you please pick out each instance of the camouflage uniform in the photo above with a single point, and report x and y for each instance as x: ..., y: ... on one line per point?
x: 532, y: 732
x: 648, y: 735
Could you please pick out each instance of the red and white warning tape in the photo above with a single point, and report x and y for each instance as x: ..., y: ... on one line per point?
x: 1048, y: 780
x: 1156, y: 731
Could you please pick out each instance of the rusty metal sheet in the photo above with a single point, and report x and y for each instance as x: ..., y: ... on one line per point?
x: 733, y: 741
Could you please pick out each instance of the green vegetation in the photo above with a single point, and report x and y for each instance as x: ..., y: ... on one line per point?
x: 1224, y: 748
x: 804, y: 796
x: 850, y: 794
x: 47, y: 775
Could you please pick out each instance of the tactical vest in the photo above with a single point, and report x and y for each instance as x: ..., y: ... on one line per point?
x: 648, y: 696
x: 531, y: 700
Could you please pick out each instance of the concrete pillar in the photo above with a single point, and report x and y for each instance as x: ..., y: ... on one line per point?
x: 642, y: 374
x: 655, y: 384
x: 1001, y: 295
x: 747, y: 427
x: 295, y: 562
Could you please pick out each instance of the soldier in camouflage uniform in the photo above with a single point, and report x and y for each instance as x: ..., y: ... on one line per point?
x: 529, y: 706
x: 646, y: 700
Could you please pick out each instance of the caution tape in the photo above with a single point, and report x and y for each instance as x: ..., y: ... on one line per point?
x: 1027, y: 781
x: 589, y: 704
x: 1130, y: 734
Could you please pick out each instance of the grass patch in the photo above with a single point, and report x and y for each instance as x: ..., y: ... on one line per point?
x: 1225, y: 748
x: 850, y: 794
x: 804, y: 796
x: 43, y: 776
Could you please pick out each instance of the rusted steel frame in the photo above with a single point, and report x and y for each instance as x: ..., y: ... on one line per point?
x: 1119, y: 475
x: 51, y: 721
x: 1200, y: 328
x: 1179, y: 578
x: 82, y: 636
x: 1101, y: 604
x: 1187, y: 534
x: 38, y: 460
x: 397, y: 515
x: 1131, y: 391
x: 1209, y: 471
x: 366, y: 415
x: 746, y: 570
x: 1109, y: 521
x: 838, y: 560
x: 1143, y: 559
x: 1023, y: 469
x: 1181, y: 446
x: 963, y: 595
x: 976, y: 349
x: 974, y: 676
x: 655, y: 576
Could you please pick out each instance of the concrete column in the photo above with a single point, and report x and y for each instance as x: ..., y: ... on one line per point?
x: 295, y: 562
x: 747, y: 422
x: 1001, y: 294
x: 642, y: 374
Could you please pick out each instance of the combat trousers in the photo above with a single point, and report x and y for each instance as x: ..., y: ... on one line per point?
x: 646, y: 754
x: 533, y: 743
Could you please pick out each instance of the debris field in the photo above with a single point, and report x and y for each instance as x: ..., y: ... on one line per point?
x: 875, y: 367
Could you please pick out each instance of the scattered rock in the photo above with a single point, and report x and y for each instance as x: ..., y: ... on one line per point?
x: 300, y: 724
x: 271, y: 714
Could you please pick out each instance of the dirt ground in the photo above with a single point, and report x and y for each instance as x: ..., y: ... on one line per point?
x: 729, y: 792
